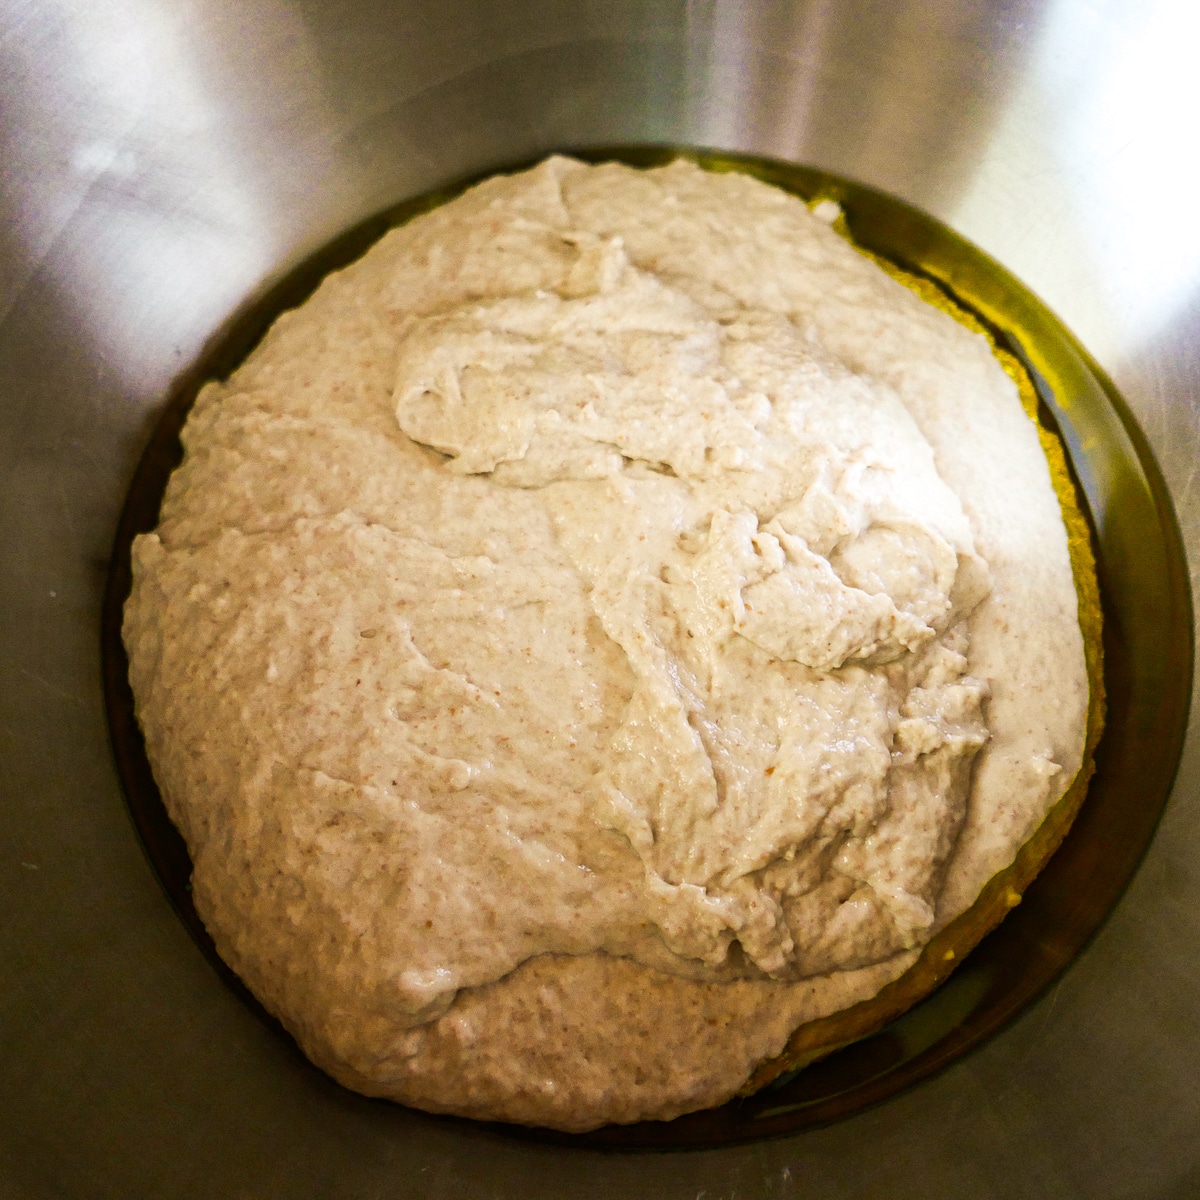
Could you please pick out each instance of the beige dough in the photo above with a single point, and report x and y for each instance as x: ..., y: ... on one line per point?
x: 607, y: 626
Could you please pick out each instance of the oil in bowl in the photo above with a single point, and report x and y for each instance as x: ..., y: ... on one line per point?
x: 1147, y: 668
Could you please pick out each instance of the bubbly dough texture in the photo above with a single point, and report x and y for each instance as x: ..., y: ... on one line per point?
x: 608, y: 625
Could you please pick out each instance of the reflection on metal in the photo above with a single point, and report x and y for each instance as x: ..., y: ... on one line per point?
x: 147, y: 220
x: 1089, y: 186
x: 1127, y: 129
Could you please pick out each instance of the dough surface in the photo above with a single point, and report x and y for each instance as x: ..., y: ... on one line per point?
x: 607, y: 626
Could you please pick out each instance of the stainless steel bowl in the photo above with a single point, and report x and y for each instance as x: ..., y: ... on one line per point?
x: 162, y: 161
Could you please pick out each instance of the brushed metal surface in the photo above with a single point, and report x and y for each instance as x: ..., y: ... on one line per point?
x: 161, y: 159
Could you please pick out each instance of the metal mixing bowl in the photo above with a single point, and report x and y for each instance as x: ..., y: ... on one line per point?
x: 163, y: 160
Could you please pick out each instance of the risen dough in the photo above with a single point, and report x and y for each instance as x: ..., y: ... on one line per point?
x: 608, y: 625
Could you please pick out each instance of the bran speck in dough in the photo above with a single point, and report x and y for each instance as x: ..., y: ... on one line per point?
x: 607, y: 626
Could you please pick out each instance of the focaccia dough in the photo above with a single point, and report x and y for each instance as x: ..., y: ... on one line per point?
x: 607, y: 626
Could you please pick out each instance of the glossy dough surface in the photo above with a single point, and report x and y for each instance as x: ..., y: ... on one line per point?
x: 608, y: 625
